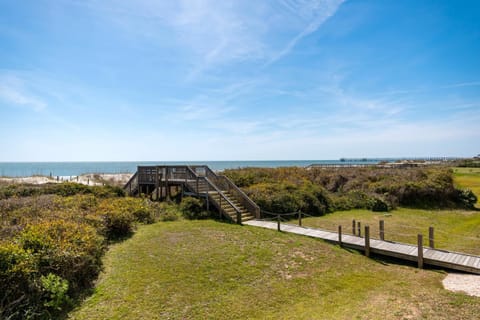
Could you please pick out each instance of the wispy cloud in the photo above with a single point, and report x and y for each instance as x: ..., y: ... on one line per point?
x: 213, y: 33
x: 314, y: 13
x: 463, y: 84
x: 15, y: 92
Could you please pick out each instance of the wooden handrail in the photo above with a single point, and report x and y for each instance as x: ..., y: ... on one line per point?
x: 128, y: 185
x: 246, y: 201
x: 228, y: 184
x: 221, y: 194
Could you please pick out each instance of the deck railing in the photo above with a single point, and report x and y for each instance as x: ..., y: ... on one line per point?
x: 199, y: 179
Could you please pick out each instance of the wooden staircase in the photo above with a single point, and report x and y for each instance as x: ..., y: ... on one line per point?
x: 229, y: 210
x: 199, y: 181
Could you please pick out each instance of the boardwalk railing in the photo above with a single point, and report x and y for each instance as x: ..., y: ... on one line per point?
x: 416, y: 253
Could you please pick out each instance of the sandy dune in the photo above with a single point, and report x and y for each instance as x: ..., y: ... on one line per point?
x: 92, y: 179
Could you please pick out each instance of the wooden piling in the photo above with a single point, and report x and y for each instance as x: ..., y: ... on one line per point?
x: 340, y: 235
x: 157, y: 184
x: 359, y: 229
x: 278, y: 223
x: 300, y: 219
x: 239, y: 217
x: 353, y: 226
x: 382, y: 229
x: 420, y: 251
x: 367, y: 241
x: 431, y: 240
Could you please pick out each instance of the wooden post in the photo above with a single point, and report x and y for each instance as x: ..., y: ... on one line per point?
x: 367, y: 241
x: 420, y: 250
x: 340, y: 235
x: 239, y: 217
x: 157, y: 185
x: 300, y: 219
x: 431, y: 241
x: 167, y: 188
x: 278, y: 222
x: 382, y: 230
x: 353, y: 226
x: 359, y: 229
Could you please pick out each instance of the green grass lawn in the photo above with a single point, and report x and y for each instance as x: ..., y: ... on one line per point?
x: 213, y: 270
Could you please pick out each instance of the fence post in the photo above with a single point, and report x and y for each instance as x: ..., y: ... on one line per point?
x: 300, y: 219
x: 431, y: 241
x: 353, y: 226
x: 239, y: 217
x: 340, y: 235
x: 359, y: 229
x: 382, y: 230
x: 420, y: 251
x: 278, y: 222
x: 367, y: 241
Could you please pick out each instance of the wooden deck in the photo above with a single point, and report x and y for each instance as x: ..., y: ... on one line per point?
x: 433, y: 257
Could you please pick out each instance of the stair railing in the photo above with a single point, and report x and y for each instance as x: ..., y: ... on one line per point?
x: 245, y: 200
x: 226, y: 184
x: 132, y: 185
x: 212, y: 187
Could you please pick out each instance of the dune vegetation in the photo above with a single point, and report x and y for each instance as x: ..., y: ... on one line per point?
x: 159, y: 264
x: 318, y: 191
x: 53, y: 238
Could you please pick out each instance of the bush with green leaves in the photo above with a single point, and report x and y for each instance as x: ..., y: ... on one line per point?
x: 68, y: 249
x: 291, y: 189
x: 55, y: 291
x: 192, y: 208
x: 45, y: 265
x: 18, y: 294
x: 467, y: 197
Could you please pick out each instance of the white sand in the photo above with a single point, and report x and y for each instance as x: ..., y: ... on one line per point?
x: 460, y: 282
x: 89, y: 179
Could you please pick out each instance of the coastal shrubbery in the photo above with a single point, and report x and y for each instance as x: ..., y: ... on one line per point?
x: 318, y: 191
x: 193, y: 208
x: 52, y: 239
x: 61, y: 189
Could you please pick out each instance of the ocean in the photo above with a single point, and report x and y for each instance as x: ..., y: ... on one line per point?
x: 65, y: 169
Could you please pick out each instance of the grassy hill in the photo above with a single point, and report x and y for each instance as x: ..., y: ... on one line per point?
x: 213, y: 270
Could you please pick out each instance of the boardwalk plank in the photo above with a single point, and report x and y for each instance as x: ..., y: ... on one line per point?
x: 440, y: 258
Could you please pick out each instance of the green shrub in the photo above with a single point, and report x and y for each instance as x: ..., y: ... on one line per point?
x: 468, y: 198
x: 55, y: 291
x: 71, y: 250
x: 165, y: 211
x: 192, y: 208
x: 291, y: 189
x: 378, y: 205
x: 18, y: 294
x: 118, y: 223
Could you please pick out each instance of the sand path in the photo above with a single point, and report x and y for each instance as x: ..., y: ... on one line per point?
x: 461, y: 282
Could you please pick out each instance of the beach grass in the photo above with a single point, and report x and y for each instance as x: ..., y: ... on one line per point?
x: 213, y: 270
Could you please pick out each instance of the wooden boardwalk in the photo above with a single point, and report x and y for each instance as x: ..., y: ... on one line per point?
x: 433, y: 257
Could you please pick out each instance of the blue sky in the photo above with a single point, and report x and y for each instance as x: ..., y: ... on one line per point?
x: 159, y: 80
